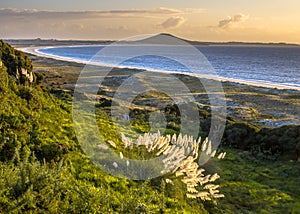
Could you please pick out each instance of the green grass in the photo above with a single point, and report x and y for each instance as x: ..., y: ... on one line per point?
x: 43, y: 169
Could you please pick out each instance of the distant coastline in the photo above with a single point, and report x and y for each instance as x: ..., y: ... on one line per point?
x: 56, y: 42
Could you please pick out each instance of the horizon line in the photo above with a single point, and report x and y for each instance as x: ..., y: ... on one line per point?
x: 187, y: 40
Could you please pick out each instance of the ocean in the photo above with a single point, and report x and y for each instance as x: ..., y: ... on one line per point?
x: 275, y: 65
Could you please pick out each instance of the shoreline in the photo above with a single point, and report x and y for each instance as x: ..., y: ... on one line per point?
x: 34, y: 51
x: 257, y: 104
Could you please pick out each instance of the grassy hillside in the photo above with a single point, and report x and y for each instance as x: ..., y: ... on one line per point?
x: 43, y: 170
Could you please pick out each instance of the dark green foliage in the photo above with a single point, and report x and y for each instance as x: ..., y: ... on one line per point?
x: 43, y: 170
x: 14, y: 61
x: 39, y: 77
x: 284, y: 140
x: 51, y: 174
x: 239, y: 135
x: 31, y: 117
x: 251, y: 185
x: 269, y: 141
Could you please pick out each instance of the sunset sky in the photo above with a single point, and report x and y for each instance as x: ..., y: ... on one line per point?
x: 214, y: 20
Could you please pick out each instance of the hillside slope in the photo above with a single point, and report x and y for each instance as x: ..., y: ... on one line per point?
x: 43, y: 170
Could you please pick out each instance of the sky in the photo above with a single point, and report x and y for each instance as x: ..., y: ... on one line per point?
x: 202, y: 20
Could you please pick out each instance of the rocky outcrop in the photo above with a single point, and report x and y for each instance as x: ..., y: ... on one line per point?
x: 26, y: 74
x: 17, y: 64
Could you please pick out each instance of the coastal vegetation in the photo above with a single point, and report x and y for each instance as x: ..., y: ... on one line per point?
x: 43, y: 168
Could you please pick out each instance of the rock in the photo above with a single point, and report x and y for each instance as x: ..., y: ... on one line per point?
x: 26, y: 73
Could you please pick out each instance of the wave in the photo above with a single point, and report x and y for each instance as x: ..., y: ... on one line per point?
x: 249, y: 81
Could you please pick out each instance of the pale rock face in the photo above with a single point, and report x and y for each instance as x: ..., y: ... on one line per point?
x: 24, y: 71
x: 31, y: 77
x: 27, y: 74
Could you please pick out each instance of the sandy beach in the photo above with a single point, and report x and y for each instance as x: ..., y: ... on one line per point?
x: 254, y: 102
x: 149, y: 106
x: 34, y: 51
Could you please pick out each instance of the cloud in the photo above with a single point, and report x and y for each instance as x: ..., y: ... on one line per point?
x: 31, y: 23
x: 173, y: 22
x: 160, y: 10
x: 105, y: 14
x: 232, y: 21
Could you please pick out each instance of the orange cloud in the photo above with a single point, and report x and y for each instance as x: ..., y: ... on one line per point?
x: 173, y: 22
x: 231, y: 21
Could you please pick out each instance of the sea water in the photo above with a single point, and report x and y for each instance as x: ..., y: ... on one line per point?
x: 276, y: 65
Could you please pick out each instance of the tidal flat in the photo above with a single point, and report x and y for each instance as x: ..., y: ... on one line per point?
x: 261, y: 106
